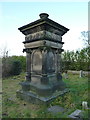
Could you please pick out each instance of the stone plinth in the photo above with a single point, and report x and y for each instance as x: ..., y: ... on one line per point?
x: 43, y: 47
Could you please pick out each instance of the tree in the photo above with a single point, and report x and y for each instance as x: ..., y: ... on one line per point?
x: 79, y: 60
x: 4, y: 52
x: 85, y: 36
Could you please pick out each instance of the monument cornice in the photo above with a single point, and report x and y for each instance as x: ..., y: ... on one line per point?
x: 43, y: 22
x: 52, y: 40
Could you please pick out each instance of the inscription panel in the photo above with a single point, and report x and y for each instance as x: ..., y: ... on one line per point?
x: 36, y: 61
x: 50, y: 62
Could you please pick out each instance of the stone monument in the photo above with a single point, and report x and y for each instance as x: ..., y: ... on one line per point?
x: 43, y: 46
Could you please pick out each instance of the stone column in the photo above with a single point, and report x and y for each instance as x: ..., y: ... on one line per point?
x: 28, y: 65
x: 26, y: 84
x: 59, y: 77
x: 44, y: 79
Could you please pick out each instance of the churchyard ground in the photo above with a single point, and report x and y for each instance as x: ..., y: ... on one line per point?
x: 13, y: 107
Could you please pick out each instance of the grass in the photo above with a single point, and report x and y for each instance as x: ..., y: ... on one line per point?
x: 15, y: 108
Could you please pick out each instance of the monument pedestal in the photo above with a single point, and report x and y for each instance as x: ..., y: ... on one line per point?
x: 41, y: 93
x: 43, y: 47
x: 31, y: 97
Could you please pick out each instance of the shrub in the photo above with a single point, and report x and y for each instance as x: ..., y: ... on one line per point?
x: 11, y: 67
x: 22, y: 59
x: 16, y: 67
x: 78, y: 60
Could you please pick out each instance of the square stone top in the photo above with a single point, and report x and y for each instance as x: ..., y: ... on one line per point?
x: 43, y: 24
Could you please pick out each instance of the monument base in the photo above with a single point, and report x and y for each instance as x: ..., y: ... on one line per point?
x: 31, y: 97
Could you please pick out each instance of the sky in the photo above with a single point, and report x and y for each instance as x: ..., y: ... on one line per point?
x: 73, y: 15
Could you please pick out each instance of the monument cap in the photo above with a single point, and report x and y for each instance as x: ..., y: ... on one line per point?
x: 43, y: 15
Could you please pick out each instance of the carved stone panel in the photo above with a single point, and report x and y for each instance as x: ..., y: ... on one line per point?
x: 36, y: 61
x: 43, y: 35
x: 50, y: 62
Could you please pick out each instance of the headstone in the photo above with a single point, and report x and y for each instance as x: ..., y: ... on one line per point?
x: 84, y: 105
x: 76, y: 114
x: 81, y: 73
x: 66, y: 75
x: 43, y: 47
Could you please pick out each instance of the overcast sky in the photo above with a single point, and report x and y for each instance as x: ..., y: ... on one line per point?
x: 73, y: 15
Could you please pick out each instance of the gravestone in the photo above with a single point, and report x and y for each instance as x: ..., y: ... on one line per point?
x: 66, y: 74
x: 77, y: 114
x: 43, y: 47
x: 84, y: 105
x: 81, y: 73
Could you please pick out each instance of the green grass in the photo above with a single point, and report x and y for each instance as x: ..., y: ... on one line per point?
x: 16, y: 108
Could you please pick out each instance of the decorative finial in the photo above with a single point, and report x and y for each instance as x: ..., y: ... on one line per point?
x: 43, y: 15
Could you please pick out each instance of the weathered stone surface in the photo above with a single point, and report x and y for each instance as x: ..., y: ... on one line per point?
x: 43, y: 15
x: 43, y: 46
x: 43, y: 43
x: 33, y: 97
x: 84, y: 105
x: 43, y: 24
x: 55, y: 109
x: 81, y: 73
x: 76, y: 114
x: 43, y: 35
